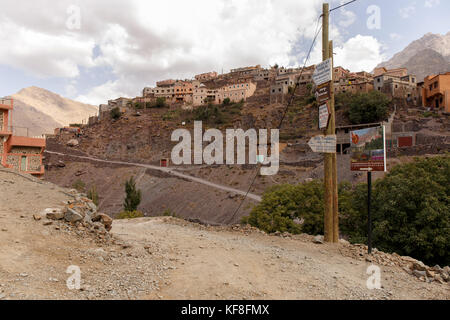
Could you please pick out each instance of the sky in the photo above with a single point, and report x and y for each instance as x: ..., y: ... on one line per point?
x: 93, y: 51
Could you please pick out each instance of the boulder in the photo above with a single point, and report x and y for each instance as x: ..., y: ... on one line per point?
x: 54, y: 214
x: 104, y: 219
x: 73, y: 143
x: 318, y: 239
x: 72, y: 215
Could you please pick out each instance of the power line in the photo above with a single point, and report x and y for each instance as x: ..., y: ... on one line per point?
x: 343, y: 5
x: 291, y: 99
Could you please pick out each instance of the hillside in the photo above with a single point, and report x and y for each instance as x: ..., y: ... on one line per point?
x: 427, y: 55
x: 41, y: 111
x: 167, y: 258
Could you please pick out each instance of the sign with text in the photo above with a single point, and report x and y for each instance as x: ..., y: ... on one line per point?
x: 368, y: 148
x: 323, y: 72
x: 323, y: 93
x: 324, y: 116
x: 323, y: 144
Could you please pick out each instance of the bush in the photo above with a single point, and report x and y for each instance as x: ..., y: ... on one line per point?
x: 79, y: 185
x: 130, y: 215
x: 139, y: 106
x: 411, y: 211
x: 115, y: 113
x: 160, y: 102
x: 293, y: 208
x: 368, y: 107
x: 93, y: 195
x: 226, y: 101
x: 133, y: 196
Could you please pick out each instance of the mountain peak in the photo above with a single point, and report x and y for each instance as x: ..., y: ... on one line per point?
x: 41, y: 110
x: 428, y: 55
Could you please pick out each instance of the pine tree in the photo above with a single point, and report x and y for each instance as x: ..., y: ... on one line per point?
x: 133, y: 198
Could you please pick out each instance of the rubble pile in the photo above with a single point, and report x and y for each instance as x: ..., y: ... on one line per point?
x: 409, y: 265
x: 81, y: 214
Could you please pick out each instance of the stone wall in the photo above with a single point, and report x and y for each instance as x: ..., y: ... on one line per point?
x: 14, y: 161
x: 34, y: 163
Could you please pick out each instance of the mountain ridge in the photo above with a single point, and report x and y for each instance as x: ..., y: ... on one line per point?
x: 38, y: 111
x: 425, y: 56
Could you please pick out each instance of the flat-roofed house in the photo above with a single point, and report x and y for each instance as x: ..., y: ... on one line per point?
x: 23, y: 154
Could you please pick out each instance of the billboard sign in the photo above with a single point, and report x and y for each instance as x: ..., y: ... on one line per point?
x: 368, y: 149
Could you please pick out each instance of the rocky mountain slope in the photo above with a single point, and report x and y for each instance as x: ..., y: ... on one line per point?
x: 41, y: 111
x: 427, y: 55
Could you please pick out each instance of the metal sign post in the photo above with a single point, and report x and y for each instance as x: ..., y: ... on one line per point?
x: 369, y: 218
x: 369, y: 154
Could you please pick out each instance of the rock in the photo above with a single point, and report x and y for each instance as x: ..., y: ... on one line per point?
x: 318, y: 239
x: 72, y: 215
x: 73, y: 143
x: 48, y: 223
x: 343, y: 241
x: 4, y: 230
x: 37, y: 217
x: 92, y: 206
x: 419, y: 274
x: 54, y: 214
x: 104, y: 219
x: 419, y: 265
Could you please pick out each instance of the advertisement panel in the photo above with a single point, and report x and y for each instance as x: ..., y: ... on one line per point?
x: 368, y: 149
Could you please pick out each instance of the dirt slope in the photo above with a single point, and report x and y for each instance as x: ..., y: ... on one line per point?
x: 167, y: 258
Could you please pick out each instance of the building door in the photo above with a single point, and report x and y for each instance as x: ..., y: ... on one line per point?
x: 23, y: 163
x: 405, y: 142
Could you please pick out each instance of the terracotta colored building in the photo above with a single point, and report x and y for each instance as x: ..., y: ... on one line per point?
x: 206, y: 76
x: 23, y: 154
x: 436, y: 92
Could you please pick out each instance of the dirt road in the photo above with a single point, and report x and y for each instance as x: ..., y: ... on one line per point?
x: 168, y: 258
x: 168, y: 171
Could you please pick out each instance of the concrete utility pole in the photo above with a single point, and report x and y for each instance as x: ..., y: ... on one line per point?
x: 331, y: 226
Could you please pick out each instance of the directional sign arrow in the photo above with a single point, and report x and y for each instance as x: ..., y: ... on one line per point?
x: 323, y: 144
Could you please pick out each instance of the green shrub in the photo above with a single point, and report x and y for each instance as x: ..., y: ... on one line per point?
x: 160, y: 102
x: 411, y: 210
x: 115, y: 113
x: 130, y: 215
x: 79, y: 185
x: 226, y: 101
x: 133, y: 196
x: 368, y: 107
x: 139, y: 105
x: 93, y: 195
x: 169, y: 213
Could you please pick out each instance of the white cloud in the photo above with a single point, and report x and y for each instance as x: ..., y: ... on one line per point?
x: 432, y: 3
x: 349, y: 16
x: 359, y: 53
x: 408, y: 11
x: 141, y: 42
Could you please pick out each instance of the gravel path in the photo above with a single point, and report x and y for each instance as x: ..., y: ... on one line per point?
x: 168, y: 258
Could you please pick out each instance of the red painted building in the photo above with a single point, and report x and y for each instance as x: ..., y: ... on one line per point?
x: 23, y: 154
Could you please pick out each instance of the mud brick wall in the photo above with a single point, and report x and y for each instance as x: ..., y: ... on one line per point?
x: 1, y: 120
